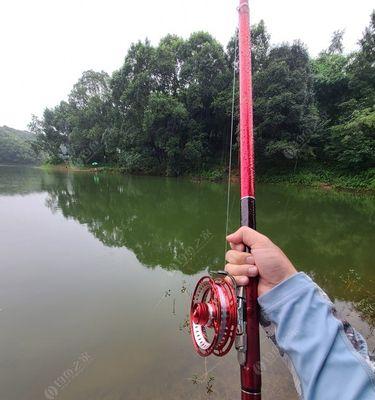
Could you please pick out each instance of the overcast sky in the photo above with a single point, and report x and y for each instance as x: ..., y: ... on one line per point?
x: 46, y: 44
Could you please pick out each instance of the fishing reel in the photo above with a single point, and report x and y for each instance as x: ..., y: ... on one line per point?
x: 216, y: 316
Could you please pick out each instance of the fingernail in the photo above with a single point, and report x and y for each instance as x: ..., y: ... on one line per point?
x: 249, y: 260
x: 252, y: 270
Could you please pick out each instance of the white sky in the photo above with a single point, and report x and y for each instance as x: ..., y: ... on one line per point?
x: 45, y: 45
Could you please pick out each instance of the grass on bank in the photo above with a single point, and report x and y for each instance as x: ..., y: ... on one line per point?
x: 318, y: 176
x: 324, y: 177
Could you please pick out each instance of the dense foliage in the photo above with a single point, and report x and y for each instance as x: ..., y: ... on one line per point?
x: 167, y: 110
x: 16, y: 147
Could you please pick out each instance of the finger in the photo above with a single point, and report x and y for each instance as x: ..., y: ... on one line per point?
x: 245, y: 270
x: 239, y: 257
x: 238, y: 247
x: 247, y: 236
x: 241, y: 280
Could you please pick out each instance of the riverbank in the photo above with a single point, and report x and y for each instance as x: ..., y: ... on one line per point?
x: 324, y: 178
x: 73, y: 168
x: 312, y: 176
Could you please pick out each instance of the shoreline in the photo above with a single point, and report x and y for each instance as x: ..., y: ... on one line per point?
x: 325, y: 180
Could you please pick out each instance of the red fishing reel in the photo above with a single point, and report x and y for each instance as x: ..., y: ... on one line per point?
x: 213, y: 315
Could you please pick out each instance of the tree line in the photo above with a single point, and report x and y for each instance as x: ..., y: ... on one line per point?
x: 167, y: 110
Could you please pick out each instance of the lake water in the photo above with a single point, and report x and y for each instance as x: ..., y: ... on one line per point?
x: 97, y: 271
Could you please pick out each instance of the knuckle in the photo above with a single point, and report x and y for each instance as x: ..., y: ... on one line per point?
x: 230, y: 255
x: 244, y: 229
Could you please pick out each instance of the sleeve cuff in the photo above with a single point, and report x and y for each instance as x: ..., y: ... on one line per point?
x: 285, y: 291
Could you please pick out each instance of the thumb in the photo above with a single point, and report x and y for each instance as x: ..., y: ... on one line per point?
x: 247, y: 236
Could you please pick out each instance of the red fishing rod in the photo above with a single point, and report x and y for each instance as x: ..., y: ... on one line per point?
x: 250, y: 366
x: 222, y: 313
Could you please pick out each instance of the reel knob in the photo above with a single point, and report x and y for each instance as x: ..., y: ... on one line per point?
x: 213, y: 316
x: 203, y: 313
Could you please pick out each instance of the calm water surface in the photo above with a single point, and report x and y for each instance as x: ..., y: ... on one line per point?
x: 97, y: 271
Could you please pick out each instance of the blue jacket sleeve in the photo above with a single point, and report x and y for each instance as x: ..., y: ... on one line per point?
x: 313, y: 339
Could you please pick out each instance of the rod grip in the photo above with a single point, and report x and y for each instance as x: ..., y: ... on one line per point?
x: 251, y: 371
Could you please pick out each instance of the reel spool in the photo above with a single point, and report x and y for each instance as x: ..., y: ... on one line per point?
x: 213, y: 316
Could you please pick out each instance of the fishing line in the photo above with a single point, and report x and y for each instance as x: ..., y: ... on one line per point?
x: 231, y: 143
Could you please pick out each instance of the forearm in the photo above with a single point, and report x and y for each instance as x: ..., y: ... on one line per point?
x: 327, y: 365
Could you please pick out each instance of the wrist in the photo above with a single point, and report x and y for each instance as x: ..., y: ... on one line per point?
x: 267, y: 285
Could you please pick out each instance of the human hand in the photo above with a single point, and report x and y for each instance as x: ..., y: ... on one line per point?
x: 265, y: 259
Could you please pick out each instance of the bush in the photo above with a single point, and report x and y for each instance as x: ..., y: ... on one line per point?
x: 352, y: 144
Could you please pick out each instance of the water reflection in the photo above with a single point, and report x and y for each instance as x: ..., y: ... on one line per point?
x: 163, y: 224
x: 179, y: 224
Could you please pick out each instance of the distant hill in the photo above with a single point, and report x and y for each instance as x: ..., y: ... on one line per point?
x: 15, y: 147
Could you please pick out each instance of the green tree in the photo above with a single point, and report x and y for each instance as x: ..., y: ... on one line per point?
x: 351, y: 140
x: 362, y: 68
x: 331, y: 84
x: 352, y: 144
x: 76, y: 129
x: 89, y: 103
x: 131, y: 88
x: 168, y: 62
x: 260, y: 46
x: 284, y: 111
x: 336, y: 46
x: 205, y: 80
x: 52, y: 132
x: 166, y: 121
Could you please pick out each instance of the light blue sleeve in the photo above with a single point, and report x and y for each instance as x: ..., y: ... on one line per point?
x: 324, y: 360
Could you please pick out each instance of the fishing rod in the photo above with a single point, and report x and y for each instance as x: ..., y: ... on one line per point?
x: 222, y: 313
